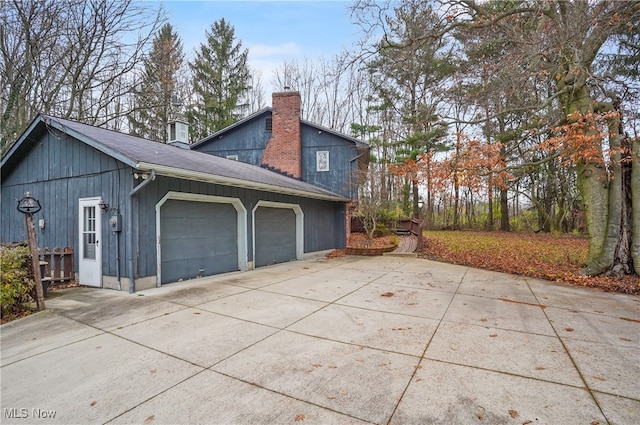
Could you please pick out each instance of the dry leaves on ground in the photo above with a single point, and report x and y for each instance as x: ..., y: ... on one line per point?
x: 544, y: 256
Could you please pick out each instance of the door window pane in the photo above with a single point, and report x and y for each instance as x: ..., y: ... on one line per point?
x: 89, y: 233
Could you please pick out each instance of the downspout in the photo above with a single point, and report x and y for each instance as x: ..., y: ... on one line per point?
x: 118, y: 277
x: 132, y: 282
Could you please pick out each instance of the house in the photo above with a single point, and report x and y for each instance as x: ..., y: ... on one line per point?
x: 141, y: 214
x: 278, y: 139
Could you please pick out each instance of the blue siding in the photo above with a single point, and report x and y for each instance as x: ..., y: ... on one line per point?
x: 248, y: 141
x: 324, y: 222
x: 340, y: 178
x: 58, y: 184
x: 59, y: 170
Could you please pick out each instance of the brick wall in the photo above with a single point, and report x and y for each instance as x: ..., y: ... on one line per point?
x: 283, y: 151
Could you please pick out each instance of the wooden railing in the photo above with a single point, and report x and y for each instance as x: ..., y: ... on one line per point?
x: 410, y: 225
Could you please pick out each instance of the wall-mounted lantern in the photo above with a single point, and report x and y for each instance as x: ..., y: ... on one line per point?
x: 103, y: 205
x: 29, y: 204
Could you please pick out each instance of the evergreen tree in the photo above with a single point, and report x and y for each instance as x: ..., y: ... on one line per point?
x: 220, y: 80
x: 152, y: 109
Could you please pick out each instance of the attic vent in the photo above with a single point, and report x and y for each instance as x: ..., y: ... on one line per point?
x: 268, y: 124
x: 178, y: 132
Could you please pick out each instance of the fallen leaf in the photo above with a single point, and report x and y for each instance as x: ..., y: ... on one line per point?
x: 307, y: 371
x: 527, y: 422
x: 599, y: 378
x: 387, y: 294
x: 299, y: 417
x: 382, y: 364
x: 480, y: 415
x: 484, y: 320
x: 331, y: 397
x: 419, y: 367
x: 154, y: 370
x: 331, y: 366
x: 316, y: 365
x: 514, y: 414
x: 540, y: 368
x: 360, y: 360
x: 625, y: 339
x: 493, y: 335
x: 595, y: 423
x: 196, y: 312
x: 569, y: 329
x: 93, y: 403
x: 149, y: 419
x: 345, y: 392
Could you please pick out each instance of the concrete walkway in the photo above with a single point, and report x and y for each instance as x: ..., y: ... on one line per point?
x: 351, y: 340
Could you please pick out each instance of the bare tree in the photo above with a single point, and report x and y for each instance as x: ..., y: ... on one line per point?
x: 69, y: 58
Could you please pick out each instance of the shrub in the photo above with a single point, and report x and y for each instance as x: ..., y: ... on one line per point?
x: 381, y: 230
x: 16, y: 283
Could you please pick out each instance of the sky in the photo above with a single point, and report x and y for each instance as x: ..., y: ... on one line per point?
x: 272, y: 31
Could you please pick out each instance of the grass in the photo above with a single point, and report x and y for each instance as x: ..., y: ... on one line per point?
x: 544, y: 256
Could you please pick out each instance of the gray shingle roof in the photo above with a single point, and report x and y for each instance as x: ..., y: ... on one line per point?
x: 168, y: 160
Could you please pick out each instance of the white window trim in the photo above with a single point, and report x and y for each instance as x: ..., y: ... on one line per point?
x: 320, y: 154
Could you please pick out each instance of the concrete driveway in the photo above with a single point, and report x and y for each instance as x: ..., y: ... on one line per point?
x: 382, y: 340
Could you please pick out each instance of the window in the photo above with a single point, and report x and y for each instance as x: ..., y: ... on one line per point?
x: 268, y: 124
x: 322, y: 161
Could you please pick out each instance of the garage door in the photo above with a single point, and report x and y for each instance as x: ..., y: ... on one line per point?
x: 275, y: 235
x: 197, y: 239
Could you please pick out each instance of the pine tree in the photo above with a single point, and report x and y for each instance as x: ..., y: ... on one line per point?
x: 152, y: 99
x: 220, y: 80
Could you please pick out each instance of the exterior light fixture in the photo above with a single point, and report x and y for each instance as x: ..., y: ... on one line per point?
x: 103, y: 205
x: 29, y: 204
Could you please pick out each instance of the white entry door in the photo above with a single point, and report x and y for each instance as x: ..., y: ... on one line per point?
x: 90, y: 252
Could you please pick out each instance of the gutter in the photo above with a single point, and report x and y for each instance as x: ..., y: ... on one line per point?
x: 230, y: 181
x: 130, y: 240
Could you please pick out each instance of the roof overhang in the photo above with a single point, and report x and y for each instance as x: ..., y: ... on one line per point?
x: 163, y: 170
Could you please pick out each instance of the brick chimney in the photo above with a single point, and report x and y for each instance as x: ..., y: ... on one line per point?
x: 284, y: 150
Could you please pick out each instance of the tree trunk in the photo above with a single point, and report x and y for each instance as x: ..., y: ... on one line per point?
x: 490, y: 206
x: 456, y: 203
x: 621, y: 166
x: 415, y: 196
x: 606, y: 198
x: 504, y: 211
x: 634, y: 186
